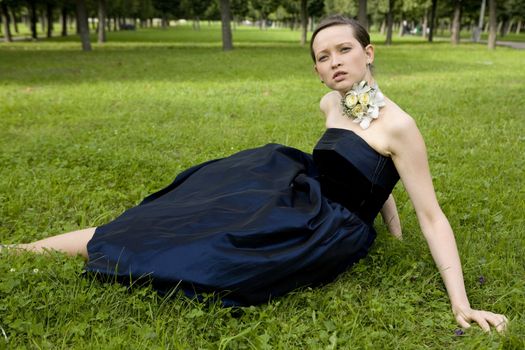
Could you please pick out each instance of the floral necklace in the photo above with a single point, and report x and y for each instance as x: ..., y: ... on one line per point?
x: 362, y: 103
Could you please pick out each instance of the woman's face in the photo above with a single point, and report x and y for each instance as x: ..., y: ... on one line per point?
x: 340, y: 60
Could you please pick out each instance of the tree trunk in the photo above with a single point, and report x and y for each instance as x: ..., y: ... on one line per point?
x: 227, y: 44
x: 43, y: 21
x: 476, y: 35
x: 456, y: 23
x: 63, y: 20
x: 15, y: 23
x: 383, y: 26
x: 432, y: 21
x: 425, y: 24
x: 500, y: 24
x: 101, y: 21
x: 518, y: 27
x: 32, y: 19
x: 304, y: 22
x: 502, y: 28
x: 492, y: 25
x: 5, y: 22
x: 389, y: 22
x: 77, y: 23
x: 83, y: 25
x: 49, y: 19
x: 362, y: 16
x: 509, y: 27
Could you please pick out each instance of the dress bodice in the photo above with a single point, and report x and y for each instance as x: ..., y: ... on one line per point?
x: 353, y: 173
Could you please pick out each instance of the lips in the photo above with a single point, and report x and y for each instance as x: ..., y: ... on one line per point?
x: 339, y: 75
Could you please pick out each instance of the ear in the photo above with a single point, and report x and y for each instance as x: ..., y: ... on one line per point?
x: 369, y: 50
x: 317, y: 72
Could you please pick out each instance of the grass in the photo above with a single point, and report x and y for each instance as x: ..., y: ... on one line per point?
x: 86, y: 135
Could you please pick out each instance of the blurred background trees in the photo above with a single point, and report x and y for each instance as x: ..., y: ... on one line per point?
x: 426, y: 18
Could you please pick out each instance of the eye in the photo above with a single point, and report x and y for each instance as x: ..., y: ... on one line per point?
x: 345, y: 49
x: 322, y: 58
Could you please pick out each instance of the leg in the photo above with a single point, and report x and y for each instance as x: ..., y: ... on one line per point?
x: 71, y: 243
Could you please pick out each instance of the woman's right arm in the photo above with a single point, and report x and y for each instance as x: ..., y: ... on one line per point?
x: 409, y: 154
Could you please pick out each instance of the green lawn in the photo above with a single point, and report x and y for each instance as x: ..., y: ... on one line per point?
x: 86, y: 135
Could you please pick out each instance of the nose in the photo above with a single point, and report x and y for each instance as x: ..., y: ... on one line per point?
x: 336, y: 61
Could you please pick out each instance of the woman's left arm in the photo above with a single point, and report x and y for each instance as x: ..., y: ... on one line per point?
x: 410, y: 158
x: 391, y: 217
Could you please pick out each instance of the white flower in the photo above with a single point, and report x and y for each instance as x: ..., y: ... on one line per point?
x: 379, y: 98
x: 373, y: 111
x: 365, y: 123
x: 35, y: 270
x: 12, y: 269
x: 362, y: 103
x: 361, y: 87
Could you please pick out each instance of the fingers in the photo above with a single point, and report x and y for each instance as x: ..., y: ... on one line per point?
x: 496, y: 320
x: 485, y: 320
x: 397, y: 235
x: 462, y: 322
x: 499, y: 322
x: 480, y: 319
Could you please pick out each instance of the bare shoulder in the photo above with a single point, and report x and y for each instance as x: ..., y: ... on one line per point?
x: 397, y: 122
x: 328, y: 101
x: 401, y: 127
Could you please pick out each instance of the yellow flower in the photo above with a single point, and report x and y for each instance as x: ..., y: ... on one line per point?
x: 364, y: 99
x: 351, y: 99
x: 358, y: 110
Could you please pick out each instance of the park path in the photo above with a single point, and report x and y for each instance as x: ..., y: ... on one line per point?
x: 514, y: 44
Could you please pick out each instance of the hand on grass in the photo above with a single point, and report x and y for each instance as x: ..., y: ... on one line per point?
x: 395, y: 229
x: 485, y: 319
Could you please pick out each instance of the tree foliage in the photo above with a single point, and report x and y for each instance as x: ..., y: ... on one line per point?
x: 510, y: 13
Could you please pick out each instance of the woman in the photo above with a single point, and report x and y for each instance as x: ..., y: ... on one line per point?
x: 264, y: 221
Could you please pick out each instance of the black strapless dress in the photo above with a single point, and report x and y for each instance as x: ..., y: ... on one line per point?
x: 254, y: 225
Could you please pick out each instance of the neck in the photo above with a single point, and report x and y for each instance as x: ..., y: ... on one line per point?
x: 369, y: 79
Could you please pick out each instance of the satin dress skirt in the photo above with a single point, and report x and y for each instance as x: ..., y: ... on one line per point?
x: 249, y: 227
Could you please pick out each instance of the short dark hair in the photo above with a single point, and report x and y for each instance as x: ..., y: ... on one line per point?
x: 360, y: 33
